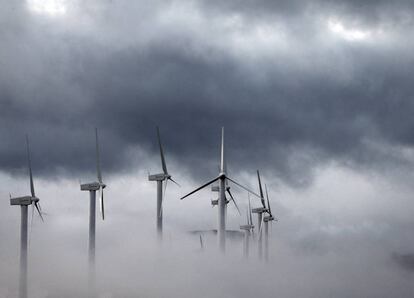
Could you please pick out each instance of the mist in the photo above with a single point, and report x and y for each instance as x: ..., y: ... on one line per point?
x: 325, y: 244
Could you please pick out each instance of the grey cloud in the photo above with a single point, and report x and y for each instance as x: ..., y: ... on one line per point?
x: 61, y: 84
x: 366, y: 12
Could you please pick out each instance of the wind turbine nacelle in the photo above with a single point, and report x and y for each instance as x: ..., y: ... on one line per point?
x: 158, y: 177
x: 22, y: 201
x: 259, y: 210
x: 268, y: 218
x: 91, y: 186
x: 216, y: 188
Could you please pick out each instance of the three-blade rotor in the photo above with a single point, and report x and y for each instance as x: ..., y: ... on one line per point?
x: 222, y: 176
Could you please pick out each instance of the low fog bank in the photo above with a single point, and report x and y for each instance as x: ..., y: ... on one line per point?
x: 352, y: 243
x: 141, y: 269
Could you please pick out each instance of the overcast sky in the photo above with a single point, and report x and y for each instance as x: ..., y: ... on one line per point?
x: 318, y: 95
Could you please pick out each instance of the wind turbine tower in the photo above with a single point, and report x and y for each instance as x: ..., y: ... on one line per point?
x: 24, y: 202
x: 93, y: 187
x: 222, y: 179
x: 161, y: 179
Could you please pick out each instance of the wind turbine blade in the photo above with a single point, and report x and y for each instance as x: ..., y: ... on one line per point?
x: 30, y: 167
x: 261, y: 190
x: 201, y: 242
x: 201, y: 187
x: 164, y: 165
x: 245, y: 188
x: 101, y: 197
x: 234, y: 201
x: 222, y: 153
x: 172, y: 180
x: 260, y: 184
x: 268, y: 204
x: 98, y: 164
x: 38, y: 210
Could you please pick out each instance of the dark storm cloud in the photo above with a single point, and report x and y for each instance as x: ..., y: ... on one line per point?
x: 404, y: 261
x: 282, y: 112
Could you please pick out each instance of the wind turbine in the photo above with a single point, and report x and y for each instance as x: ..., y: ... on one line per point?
x: 260, y: 212
x: 248, y: 229
x: 268, y: 218
x: 24, y: 202
x: 222, y: 178
x: 161, y: 178
x: 92, y: 188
